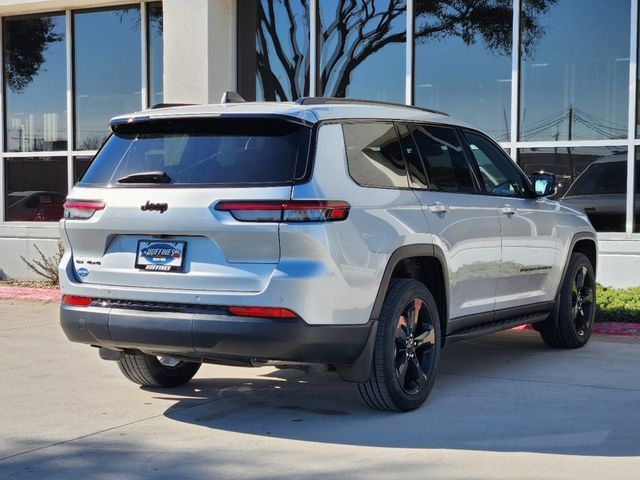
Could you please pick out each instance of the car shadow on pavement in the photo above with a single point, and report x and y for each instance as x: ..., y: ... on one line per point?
x: 504, y: 393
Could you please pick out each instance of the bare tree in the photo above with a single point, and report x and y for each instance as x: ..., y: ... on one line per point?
x: 360, y: 28
x: 92, y: 142
x: 289, y: 53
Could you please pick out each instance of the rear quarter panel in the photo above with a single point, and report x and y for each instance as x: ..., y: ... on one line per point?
x: 571, y: 226
x: 353, y: 253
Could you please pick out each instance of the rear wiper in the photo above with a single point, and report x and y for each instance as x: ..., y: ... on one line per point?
x: 146, y: 177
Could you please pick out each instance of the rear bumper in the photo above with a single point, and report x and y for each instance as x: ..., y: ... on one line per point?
x: 214, y: 335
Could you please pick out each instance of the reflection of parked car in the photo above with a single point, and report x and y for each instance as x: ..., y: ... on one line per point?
x: 601, y: 191
x: 41, y: 206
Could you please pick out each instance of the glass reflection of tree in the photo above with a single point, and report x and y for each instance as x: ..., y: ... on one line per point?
x: 282, y: 70
x: 156, y: 18
x: 363, y: 27
x: 27, y: 41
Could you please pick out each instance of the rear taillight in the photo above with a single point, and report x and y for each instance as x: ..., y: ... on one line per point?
x: 81, y: 209
x: 262, y: 312
x: 285, y: 211
x: 76, y: 301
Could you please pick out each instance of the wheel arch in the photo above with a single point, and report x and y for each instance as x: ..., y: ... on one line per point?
x: 589, y: 248
x: 423, y: 262
x: 585, y: 243
x: 582, y: 242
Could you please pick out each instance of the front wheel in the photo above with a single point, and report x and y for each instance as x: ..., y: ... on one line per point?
x: 407, y: 349
x: 150, y: 371
x: 577, y: 307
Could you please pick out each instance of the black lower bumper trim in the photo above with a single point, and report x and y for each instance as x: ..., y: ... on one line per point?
x: 214, y: 335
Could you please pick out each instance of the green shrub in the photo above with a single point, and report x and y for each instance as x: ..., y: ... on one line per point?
x: 617, y: 304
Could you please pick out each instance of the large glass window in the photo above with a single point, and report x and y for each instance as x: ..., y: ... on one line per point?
x: 35, y: 83
x: 463, y: 61
x: 636, y: 215
x: 593, y: 179
x: 80, y: 166
x: 273, y: 49
x: 35, y: 188
x: 574, y: 70
x: 156, y: 52
x: 362, y: 49
x: 106, y: 68
x: 374, y: 155
x: 107, y: 62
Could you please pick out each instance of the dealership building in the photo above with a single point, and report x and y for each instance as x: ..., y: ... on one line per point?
x: 553, y: 81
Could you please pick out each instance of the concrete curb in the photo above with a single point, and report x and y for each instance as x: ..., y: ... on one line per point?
x: 53, y: 295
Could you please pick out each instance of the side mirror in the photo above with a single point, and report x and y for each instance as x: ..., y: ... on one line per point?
x: 545, y: 184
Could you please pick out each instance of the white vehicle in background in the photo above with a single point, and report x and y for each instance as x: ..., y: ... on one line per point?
x: 601, y: 192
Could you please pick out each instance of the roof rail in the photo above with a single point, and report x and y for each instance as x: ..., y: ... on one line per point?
x: 170, y: 105
x: 334, y: 100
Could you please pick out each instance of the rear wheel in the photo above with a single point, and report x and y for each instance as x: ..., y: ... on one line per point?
x: 407, y: 349
x: 151, y: 371
x: 577, y: 307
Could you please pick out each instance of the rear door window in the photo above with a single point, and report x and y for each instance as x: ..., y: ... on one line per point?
x: 443, y: 157
x: 213, y: 152
x: 374, y: 155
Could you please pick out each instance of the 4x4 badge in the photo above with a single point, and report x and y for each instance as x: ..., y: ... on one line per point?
x: 158, y: 207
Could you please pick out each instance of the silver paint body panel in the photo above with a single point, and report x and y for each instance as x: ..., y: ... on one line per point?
x: 328, y: 273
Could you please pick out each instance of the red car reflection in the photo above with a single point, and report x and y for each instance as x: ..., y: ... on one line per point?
x: 39, y: 206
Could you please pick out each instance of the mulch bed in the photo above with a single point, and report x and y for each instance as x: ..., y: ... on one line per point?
x: 36, y: 294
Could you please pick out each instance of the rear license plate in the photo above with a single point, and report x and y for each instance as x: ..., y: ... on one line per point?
x: 160, y: 256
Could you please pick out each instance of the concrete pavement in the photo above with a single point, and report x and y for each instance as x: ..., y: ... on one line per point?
x: 504, y: 406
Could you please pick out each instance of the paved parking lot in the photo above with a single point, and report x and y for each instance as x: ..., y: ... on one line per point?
x: 504, y: 406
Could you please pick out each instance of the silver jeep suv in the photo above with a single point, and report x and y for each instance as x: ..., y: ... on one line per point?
x: 356, y: 235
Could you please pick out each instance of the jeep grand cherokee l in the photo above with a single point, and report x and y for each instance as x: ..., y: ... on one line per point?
x: 357, y: 235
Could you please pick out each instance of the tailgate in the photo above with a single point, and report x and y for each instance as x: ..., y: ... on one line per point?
x: 218, y: 252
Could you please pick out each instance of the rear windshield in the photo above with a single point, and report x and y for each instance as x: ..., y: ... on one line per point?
x: 212, y: 152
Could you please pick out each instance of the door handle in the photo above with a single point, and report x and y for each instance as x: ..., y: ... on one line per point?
x: 508, y: 210
x: 438, y: 208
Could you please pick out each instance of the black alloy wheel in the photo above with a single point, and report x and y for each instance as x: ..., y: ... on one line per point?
x: 415, y: 346
x: 571, y: 323
x: 407, y: 349
x: 582, y: 303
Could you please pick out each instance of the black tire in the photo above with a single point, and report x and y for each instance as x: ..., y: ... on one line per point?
x: 576, y: 309
x: 148, y: 371
x: 404, y: 343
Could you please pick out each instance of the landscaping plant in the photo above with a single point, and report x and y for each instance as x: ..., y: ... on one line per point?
x: 46, y: 266
x: 617, y: 304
